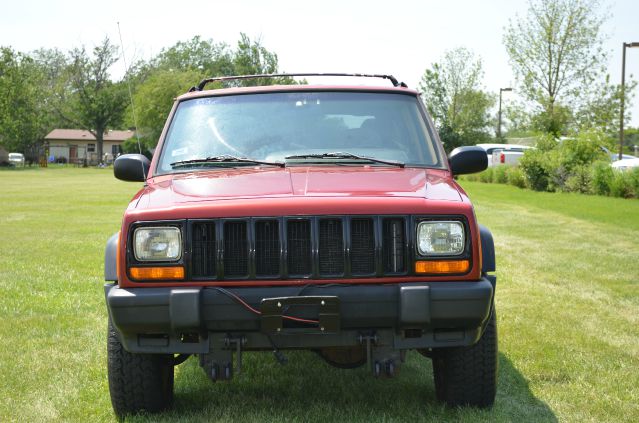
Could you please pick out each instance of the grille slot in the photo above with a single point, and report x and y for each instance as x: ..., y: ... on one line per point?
x: 204, y: 250
x: 331, y: 247
x: 393, y: 252
x: 235, y: 249
x: 298, y: 239
x: 362, y: 246
x: 267, y: 248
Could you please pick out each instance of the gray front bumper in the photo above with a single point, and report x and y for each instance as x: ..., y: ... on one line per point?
x: 435, y: 314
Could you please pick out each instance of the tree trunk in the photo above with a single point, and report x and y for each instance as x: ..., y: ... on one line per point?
x: 100, y: 141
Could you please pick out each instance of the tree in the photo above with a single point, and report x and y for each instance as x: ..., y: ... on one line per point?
x: 183, y: 65
x: 90, y: 100
x: 251, y: 58
x: 154, y: 97
x: 556, y: 53
x: 453, y: 95
x: 24, y: 118
x: 602, y: 108
x: 196, y: 54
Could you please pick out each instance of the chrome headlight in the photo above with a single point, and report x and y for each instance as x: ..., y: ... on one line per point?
x: 157, y: 243
x: 440, y: 238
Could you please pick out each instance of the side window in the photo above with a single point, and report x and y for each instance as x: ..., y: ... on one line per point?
x: 91, y: 148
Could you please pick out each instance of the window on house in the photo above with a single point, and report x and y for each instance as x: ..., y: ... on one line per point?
x: 91, y: 148
x: 115, y: 150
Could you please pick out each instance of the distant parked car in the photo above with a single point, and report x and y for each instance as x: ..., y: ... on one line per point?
x: 508, y: 156
x: 626, y: 164
x: 16, y: 159
x: 491, y: 148
x: 615, y: 156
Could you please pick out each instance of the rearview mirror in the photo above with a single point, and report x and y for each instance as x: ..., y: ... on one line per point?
x: 464, y: 160
x: 131, y: 167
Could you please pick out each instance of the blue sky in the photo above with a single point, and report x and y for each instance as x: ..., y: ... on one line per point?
x: 398, y: 37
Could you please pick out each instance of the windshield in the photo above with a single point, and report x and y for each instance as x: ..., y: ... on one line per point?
x: 273, y: 126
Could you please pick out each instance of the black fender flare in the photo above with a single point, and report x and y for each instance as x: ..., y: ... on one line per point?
x: 487, y: 249
x: 111, y: 258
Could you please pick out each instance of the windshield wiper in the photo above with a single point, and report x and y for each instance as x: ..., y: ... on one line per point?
x: 225, y: 158
x: 339, y: 155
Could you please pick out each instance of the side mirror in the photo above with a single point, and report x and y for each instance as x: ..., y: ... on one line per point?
x: 469, y: 159
x: 131, y: 167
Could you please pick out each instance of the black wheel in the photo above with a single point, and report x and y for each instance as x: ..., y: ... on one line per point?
x: 138, y: 382
x: 468, y: 375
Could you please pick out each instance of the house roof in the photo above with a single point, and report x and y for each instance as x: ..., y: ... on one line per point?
x: 80, y: 134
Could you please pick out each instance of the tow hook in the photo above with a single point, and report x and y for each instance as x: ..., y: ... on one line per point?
x: 370, y: 340
x: 237, y: 343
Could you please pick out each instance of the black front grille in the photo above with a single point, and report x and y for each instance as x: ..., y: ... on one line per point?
x: 331, y: 247
x: 267, y: 248
x: 204, y: 250
x: 393, y: 246
x: 235, y: 249
x: 298, y: 239
x: 298, y: 247
x: 362, y: 246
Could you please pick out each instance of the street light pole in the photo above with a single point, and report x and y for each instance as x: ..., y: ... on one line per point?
x: 501, y: 90
x: 623, y: 93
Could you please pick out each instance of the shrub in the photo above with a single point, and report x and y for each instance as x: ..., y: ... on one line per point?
x: 486, y: 175
x: 579, y: 181
x: 534, y: 166
x: 585, y: 149
x: 473, y: 177
x: 546, y: 142
x: 633, y: 174
x: 515, y: 176
x: 621, y: 185
x: 602, y: 176
x: 499, y: 174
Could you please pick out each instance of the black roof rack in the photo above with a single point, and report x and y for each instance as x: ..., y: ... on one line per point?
x: 203, y: 83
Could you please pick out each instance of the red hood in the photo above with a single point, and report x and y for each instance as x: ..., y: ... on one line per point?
x: 249, y: 183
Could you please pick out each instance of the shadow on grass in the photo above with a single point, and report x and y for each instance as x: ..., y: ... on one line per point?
x: 307, y: 389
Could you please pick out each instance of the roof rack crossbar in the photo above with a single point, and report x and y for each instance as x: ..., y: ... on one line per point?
x: 205, y: 81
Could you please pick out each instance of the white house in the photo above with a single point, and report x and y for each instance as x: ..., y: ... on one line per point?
x: 77, y: 145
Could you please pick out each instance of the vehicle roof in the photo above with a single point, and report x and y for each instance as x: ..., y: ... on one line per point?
x: 296, y: 88
x: 633, y: 161
x: 504, y: 146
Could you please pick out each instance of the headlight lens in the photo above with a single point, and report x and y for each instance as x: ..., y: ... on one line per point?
x: 440, y: 238
x: 157, y: 244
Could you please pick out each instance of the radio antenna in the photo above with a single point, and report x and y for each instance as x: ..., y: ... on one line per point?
x: 128, y: 84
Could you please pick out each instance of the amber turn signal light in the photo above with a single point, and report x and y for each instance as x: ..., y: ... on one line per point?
x: 442, y: 267
x: 157, y: 273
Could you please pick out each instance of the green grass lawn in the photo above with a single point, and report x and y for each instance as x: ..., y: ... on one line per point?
x: 567, y: 301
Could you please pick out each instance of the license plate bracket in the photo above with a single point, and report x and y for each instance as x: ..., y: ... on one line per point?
x: 274, y: 308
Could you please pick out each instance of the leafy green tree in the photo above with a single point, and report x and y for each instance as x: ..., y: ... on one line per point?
x: 453, y: 95
x: 556, y: 52
x: 602, y: 108
x: 196, y: 54
x: 90, y: 99
x: 24, y: 115
x: 153, y: 100
x: 553, y: 120
x: 183, y: 65
x: 252, y: 58
x: 517, y: 120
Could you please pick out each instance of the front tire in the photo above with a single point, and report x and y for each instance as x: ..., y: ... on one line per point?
x: 138, y: 382
x: 468, y: 375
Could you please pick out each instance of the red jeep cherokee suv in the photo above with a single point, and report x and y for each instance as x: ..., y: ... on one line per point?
x: 299, y: 216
